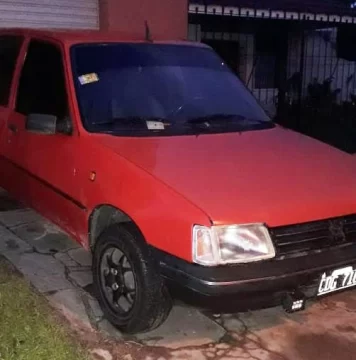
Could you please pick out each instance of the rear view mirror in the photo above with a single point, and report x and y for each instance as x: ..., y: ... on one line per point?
x: 64, y: 126
x: 41, y: 124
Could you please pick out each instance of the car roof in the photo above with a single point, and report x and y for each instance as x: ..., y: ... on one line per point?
x: 70, y: 36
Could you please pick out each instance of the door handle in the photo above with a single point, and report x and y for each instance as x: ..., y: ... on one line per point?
x: 12, y: 128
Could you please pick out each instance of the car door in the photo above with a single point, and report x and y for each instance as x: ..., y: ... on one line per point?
x: 10, y: 48
x: 47, y: 162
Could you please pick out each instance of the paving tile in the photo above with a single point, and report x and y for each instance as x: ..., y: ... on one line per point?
x: 81, y: 278
x: 81, y: 256
x: 254, y: 320
x: 9, y: 242
x: 95, y: 308
x: 45, y: 238
x: 66, y: 260
x: 109, y: 330
x: 70, y: 303
x: 44, y: 272
x: 19, y: 217
x: 184, y: 327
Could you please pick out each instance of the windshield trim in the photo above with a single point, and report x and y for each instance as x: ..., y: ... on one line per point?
x: 184, y: 132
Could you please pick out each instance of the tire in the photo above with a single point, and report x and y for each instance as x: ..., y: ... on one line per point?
x: 151, y: 302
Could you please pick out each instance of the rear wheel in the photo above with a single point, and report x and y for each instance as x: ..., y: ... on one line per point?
x: 129, y: 288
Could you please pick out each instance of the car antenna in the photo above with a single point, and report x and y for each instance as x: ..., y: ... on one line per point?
x: 148, y: 36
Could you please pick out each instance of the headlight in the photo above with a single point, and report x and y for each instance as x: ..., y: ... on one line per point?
x: 219, y: 245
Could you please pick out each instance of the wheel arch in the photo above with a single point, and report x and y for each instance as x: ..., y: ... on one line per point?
x: 104, y: 215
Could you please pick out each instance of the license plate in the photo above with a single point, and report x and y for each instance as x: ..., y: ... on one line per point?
x: 337, y: 280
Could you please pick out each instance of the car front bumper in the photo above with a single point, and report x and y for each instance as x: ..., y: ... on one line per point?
x: 253, y: 285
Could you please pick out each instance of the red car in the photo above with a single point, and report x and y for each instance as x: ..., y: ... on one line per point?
x: 155, y: 157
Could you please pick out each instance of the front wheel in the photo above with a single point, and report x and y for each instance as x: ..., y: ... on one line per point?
x: 127, y: 282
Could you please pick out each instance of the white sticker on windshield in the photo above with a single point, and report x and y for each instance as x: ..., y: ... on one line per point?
x: 88, y: 78
x: 155, y: 125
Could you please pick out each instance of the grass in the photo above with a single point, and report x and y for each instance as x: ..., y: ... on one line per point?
x: 28, y: 328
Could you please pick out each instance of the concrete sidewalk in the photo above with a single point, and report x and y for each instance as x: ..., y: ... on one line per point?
x: 60, y: 270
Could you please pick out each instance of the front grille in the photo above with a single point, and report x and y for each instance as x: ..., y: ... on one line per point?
x: 300, y: 239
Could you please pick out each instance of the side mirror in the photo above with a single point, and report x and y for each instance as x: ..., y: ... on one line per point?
x: 48, y: 124
x: 64, y: 126
x: 41, y: 124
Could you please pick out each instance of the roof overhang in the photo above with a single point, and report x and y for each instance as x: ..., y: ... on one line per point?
x: 261, y: 13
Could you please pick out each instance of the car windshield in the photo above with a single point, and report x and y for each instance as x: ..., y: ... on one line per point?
x: 149, y: 89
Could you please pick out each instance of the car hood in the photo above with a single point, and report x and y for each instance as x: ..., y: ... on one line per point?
x: 273, y: 176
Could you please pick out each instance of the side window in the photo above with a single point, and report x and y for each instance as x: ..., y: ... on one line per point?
x: 42, y: 88
x: 10, y: 47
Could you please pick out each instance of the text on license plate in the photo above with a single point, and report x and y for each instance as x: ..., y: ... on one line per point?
x: 338, y: 280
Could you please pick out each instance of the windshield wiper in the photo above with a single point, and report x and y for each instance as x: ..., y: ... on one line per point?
x: 134, y: 122
x: 227, y: 122
x: 222, y: 119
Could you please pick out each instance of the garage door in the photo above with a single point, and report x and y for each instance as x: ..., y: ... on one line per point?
x: 82, y: 14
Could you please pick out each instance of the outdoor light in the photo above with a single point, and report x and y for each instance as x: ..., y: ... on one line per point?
x: 219, y: 245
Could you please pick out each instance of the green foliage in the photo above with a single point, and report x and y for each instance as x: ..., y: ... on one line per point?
x: 321, y: 95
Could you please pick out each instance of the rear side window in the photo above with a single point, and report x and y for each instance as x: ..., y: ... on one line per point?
x: 10, y: 47
x: 42, y: 87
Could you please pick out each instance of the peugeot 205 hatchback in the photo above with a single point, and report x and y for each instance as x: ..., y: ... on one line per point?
x: 155, y: 157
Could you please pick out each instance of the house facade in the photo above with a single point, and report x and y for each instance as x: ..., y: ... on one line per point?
x: 266, y: 42
x: 167, y: 18
x: 296, y: 56
x: 272, y: 43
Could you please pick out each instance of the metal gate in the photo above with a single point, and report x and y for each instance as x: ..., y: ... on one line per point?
x: 301, y: 67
